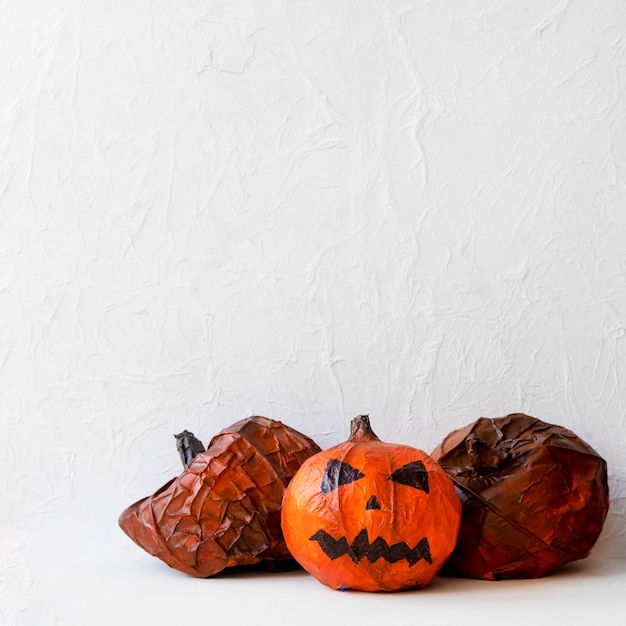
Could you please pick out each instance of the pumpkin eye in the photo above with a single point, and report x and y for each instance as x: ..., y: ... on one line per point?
x: 413, y: 474
x: 338, y: 473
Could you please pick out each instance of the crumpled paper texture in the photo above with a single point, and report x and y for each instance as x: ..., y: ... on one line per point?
x: 534, y: 495
x: 224, y: 509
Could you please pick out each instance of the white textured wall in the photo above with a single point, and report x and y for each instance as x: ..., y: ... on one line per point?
x: 305, y: 210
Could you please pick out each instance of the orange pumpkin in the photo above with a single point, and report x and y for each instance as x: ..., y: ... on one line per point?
x: 370, y: 515
x: 224, y: 509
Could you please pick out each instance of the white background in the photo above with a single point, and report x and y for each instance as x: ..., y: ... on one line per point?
x: 304, y: 210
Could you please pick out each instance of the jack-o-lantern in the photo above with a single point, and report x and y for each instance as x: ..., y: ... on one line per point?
x: 224, y: 509
x: 371, y: 516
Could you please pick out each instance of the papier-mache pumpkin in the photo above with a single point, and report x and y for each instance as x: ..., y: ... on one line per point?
x: 371, y: 516
x: 224, y: 509
x: 534, y: 495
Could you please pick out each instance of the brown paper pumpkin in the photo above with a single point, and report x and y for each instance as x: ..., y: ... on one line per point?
x: 370, y: 515
x: 534, y: 496
x: 224, y: 509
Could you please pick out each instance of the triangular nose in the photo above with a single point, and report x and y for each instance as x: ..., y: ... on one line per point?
x: 372, y: 503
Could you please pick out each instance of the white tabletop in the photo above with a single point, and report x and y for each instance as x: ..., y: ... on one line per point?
x: 82, y: 570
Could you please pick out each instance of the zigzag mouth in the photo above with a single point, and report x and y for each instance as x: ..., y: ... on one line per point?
x: 361, y: 548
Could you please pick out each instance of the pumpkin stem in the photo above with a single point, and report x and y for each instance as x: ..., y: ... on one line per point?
x: 360, y: 429
x: 188, y: 446
x: 483, y: 458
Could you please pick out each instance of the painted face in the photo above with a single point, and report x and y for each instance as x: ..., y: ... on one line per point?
x: 371, y: 515
x: 339, y: 473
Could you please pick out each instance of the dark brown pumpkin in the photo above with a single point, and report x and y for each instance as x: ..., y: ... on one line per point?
x: 224, y: 509
x: 535, y: 496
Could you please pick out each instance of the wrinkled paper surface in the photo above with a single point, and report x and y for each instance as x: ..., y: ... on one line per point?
x: 535, y: 496
x: 224, y: 509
